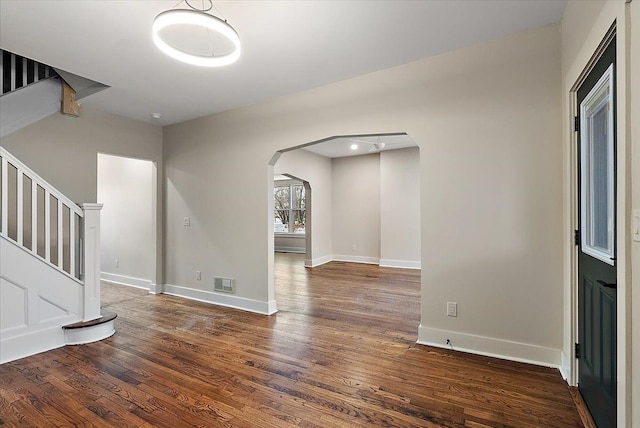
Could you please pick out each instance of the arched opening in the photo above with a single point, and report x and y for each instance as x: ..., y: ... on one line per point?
x: 365, y: 207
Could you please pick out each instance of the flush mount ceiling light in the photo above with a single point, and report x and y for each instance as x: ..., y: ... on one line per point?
x: 198, y: 18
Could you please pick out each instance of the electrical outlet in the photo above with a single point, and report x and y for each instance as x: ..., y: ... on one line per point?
x: 198, y: 275
x: 354, y: 247
x: 117, y: 263
x: 452, y: 309
x: 186, y: 221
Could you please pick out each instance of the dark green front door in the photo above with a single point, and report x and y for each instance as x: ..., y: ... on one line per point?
x: 597, y: 371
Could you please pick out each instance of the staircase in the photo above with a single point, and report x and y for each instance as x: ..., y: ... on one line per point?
x: 49, y: 266
x: 31, y: 91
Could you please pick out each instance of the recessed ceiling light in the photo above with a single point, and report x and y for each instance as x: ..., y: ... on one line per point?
x: 156, y: 115
x: 354, y: 146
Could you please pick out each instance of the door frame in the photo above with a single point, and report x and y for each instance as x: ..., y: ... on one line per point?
x: 569, y: 363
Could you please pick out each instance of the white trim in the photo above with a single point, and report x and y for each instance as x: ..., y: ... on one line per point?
x: 290, y: 235
x: 20, y: 205
x: 126, y: 280
x: 220, y: 299
x: 156, y: 288
x: 4, y: 201
x: 60, y: 236
x: 605, y: 84
x: 311, y: 263
x: 565, y: 366
x: 34, y: 217
x: 33, y: 254
x: 490, y: 347
x: 94, y: 333
x: 296, y: 250
x: 72, y: 243
x: 41, y: 181
x: 47, y: 227
x: 32, y: 343
x: 357, y: 259
x: 272, y: 307
x: 404, y: 264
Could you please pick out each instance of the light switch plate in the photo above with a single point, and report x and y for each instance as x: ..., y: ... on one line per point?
x: 635, y: 226
x: 187, y: 221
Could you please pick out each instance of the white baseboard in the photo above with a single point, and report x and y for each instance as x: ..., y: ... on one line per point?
x: 272, y: 308
x: 227, y: 300
x: 126, y: 280
x: 31, y: 343
x: 405, y: 264
x: 317, y: 261
x: 565, y: 367
x: 357, y: 259
x: 490, y: 347
x: 155, y: 288
x: 296, y: 250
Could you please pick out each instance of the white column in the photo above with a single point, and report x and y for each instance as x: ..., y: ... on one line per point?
x: 91, y: 255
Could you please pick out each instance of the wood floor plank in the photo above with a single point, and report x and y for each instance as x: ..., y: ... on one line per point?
x: 341, y: 352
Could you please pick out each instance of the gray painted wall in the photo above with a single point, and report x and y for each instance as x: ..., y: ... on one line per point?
x: 487, y: 120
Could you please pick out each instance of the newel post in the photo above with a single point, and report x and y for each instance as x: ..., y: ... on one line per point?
x: 91, y: 256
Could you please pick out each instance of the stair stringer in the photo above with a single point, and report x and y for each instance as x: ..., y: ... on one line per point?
x: 29, y: 104
x: 36, y: 300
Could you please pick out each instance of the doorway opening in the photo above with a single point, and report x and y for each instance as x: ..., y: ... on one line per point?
x: 365, y: 204
x: 126, y: 187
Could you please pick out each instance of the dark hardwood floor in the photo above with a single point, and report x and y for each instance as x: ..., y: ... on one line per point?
x: 340, y: 353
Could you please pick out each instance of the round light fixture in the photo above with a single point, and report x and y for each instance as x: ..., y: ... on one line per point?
x: 354, y: 146
x: 199, y: 19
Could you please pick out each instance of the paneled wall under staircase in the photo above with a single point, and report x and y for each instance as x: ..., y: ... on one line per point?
x: 49, y: 261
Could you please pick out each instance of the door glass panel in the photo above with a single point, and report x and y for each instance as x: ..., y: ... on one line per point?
x: 597, y: 170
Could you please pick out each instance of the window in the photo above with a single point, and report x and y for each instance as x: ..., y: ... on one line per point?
x: 597, y: 170
x: 289, y: 208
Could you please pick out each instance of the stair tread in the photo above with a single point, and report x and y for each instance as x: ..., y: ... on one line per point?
x: 106, y: 317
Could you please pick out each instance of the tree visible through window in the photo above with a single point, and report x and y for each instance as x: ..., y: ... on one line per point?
x: 289, y: 212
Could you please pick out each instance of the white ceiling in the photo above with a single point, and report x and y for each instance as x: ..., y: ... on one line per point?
x: 287, y: 46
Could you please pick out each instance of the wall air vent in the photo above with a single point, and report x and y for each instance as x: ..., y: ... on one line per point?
x: 224, y: 285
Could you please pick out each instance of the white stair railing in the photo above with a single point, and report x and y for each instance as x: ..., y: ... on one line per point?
x: 43, y: 221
